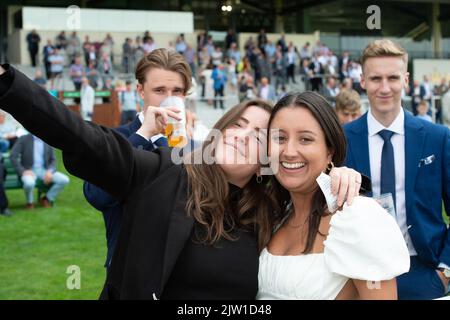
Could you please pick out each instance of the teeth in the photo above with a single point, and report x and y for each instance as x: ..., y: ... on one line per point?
x: 296, y: 165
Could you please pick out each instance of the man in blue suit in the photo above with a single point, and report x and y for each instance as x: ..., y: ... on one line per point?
x: 410, y: 159
x: 160, y: 74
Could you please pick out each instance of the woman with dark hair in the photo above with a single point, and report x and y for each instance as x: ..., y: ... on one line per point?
x: 189, y: 231
x: 315, y: 253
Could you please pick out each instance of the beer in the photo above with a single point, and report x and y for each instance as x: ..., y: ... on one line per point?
x: 175, y: 130
x: 175, y: 136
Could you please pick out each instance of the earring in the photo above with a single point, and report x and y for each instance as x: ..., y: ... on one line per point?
x: 259, y: 178
x: 330, y: 166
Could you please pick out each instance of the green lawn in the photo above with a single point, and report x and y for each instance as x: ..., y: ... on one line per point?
x: 38, y: 246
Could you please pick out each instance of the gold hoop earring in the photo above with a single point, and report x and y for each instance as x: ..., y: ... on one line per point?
x: 259, y: 179
x: 330, y: 166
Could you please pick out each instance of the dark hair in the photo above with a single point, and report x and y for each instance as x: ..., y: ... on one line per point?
x: 336, y: 143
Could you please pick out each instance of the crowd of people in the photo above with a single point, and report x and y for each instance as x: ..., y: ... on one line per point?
x: 266, y: 231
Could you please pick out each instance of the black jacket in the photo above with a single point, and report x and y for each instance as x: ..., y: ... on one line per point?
x: 149, y: 244
x: 110, y: 208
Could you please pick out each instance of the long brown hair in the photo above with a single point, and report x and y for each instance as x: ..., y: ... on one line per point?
x: 208, y: 199
x: 335, y: 140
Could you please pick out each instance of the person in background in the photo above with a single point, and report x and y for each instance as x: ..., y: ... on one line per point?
x: 10, y: 130
x: 57, y: 66
x: 408, y: 161
x: 47, y: 51
x: 87, y: 95
x: 348, y: 106
x: 330, y: 90
x: 129, y: 102
x: 266, y: 91
x: 422, y: 111
x: 220, y: 79
x: 39, y: 78
x: 76, y: 72
x: 33, y: 40
x: 34, y: 159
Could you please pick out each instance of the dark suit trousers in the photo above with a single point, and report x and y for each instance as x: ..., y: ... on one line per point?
x: 420, y: 283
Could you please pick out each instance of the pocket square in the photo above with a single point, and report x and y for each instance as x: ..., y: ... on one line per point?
x: 426, y: 161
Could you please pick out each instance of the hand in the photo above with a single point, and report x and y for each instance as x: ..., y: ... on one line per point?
x: 28, y: 173
x: 345, y: 182
x: 444, y: 279
x: 2, y: 71
x: 48, y: 177
x: 155, y: 120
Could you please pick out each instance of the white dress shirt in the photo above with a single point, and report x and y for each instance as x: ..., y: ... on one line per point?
x: 38, y: 154
x: 87, y: 102
x: 375, y: 150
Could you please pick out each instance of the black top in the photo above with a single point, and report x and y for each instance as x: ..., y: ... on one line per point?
x: 216, y: 272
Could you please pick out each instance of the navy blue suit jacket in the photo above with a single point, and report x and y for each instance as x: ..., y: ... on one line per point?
x: 427, y: 181
x: 102, y: 201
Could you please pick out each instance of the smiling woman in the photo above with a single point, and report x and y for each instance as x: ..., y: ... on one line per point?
x: 314, y: 253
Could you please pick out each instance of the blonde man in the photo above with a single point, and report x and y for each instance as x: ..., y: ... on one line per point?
x: 407, y: 159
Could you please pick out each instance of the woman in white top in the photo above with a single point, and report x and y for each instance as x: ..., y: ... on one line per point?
x: 355, y: 253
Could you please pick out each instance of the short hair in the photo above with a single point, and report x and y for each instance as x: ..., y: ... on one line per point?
x: 128, y: 82
x: 424, y: 103
x: 384, y: 48
x: 169, y: 60
x: 348, y: 99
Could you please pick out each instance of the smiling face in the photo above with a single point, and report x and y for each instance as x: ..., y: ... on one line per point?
x: 237, y: 152
x: 383, y: 79
x: 302, y: 149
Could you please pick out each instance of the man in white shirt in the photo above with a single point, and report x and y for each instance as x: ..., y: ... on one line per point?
x: 266, y: 91
x: 87, y: 99
x: 408, y: 160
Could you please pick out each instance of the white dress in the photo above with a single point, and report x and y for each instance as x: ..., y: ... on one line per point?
x: 364, y: 242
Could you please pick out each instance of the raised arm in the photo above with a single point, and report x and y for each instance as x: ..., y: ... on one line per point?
x: 94, y: 153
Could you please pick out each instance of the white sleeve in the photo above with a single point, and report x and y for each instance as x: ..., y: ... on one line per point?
x: 365, y: 243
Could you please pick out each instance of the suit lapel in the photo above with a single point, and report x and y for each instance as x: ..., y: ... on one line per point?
x: 180, y: 227
x: 414, y: 141
x: 359, y: 146
x: 134, y: 125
